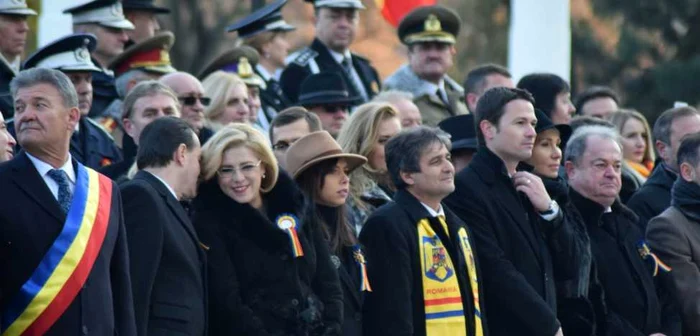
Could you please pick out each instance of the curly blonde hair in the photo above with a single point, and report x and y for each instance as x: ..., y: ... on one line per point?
x: 235, y: 135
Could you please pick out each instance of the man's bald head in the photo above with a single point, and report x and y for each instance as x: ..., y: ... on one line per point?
x: 190, y: 93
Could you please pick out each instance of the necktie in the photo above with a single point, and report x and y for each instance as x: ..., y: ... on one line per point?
x: 442, y: 97
x: 354, y: 80
x: 64, y: 194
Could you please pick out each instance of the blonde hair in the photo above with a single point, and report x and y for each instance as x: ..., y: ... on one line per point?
x: 259, y: 40
x: 620, y: 118
x: 359, y: 135
x: 235, y: 135
x: 218, y: 85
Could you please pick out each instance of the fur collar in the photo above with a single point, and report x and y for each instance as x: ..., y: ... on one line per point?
x: 243, y: 219
x: 404, y: 79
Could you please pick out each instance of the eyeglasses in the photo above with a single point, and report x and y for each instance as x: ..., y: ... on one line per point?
x: 189, y: 101
x: 245, y: 169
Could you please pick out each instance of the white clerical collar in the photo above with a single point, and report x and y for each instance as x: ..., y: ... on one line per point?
x: 433, y: 213
x: 338, y: 57
x: 172, y: 191
x: 43, y: 168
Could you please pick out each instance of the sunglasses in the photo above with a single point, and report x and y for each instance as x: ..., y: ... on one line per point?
x: 189, y: 101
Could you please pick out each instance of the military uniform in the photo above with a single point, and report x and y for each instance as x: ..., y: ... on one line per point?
x: 266, y: 19
x: 436, y: 101
x: 8, y: 69
x: 317, y: 58
x: 107, y: 13
x: 90, y: 144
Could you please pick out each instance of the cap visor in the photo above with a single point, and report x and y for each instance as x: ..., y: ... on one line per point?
x: 121, y: 24
x: 18, y: 11
x: 148, y: 8
x: 80, y: 68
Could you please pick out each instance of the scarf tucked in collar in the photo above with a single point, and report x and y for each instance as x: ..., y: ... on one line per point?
x: 686, y: 197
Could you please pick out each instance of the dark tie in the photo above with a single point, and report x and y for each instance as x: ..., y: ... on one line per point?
x: 442, y: 97
x: 349, y: 71
x: 64, y: 194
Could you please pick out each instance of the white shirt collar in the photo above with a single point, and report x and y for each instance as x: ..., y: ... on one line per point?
x: 172, y: 191
x: 440, y: 212
x: 263, y: 72
x: 433, y: 87
x: 338, y: 57
x: 43, y: 168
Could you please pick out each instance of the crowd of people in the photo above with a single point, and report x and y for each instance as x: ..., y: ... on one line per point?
x: 277, y: 194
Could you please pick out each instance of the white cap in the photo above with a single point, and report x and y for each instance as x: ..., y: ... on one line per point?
x: 15, y: 7
x: 108, y: 14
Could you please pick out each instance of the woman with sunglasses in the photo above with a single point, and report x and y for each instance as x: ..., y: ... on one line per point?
x: 321, y: 169
x: 270, y: 270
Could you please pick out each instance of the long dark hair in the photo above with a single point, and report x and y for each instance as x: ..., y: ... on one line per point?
x: 311, y: 183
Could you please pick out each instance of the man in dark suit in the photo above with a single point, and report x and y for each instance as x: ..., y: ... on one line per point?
x: 520, y: 232
x: 167, y: 261
x: 421, y: 259
x: 336, y: 25
x: 60, y: 225
x: 14, y: 30
x: 628, y: 271
x: 90, y: 144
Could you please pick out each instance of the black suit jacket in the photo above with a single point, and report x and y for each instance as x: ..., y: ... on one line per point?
x: 272, y: 98
x: 518, y: 250
x: 168, y: 263
x: 30, y: 221
x: 299, y: 69
x: 6, y: 102
x: 91, y: 146
x: 396, y: 304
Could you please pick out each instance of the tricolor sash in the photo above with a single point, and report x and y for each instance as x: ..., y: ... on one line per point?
x: 62, y: 272
x: 444, y: 312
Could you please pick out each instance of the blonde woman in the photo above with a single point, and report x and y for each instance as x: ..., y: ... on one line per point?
x: 270, y: 270
x: 637, y: 150
x: 229, y: 100
x: 365, y: 133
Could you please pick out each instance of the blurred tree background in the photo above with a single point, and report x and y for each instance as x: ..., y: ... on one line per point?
x: 647, y: 50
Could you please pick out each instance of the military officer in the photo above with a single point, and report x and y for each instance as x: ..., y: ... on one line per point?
x: 104, y: 19
x: 266, y: 31
x: 90, y: 144
x: 336, y: 25
x: 13, y: 29
x: 143, y: 14
x: 430, y: 33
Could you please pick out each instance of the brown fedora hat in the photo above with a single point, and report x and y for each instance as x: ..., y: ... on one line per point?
x: 314, y: 148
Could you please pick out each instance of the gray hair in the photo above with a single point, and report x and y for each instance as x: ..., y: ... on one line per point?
x: 576, y: 146
x: 146, y: 89
x: 404, y: 150
x: 392, y: 96
x: 662, y: 126
x: 55, y: 78
x: 121, y: 83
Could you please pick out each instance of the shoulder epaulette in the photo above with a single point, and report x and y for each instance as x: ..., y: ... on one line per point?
x: 304, y: 56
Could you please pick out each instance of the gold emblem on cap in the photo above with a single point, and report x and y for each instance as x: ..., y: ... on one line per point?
x: 165, y: 56
x: 432, y: 24
x: 245, y: 70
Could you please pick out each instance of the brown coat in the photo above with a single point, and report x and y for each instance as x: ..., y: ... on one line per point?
x: 676, y: 240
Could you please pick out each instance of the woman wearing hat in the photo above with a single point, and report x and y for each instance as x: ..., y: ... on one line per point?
x: 229, y: 100
x: 552, y: 95
x: 270, y: 271
x: 574, y: 312
x: 321, y: 169
x: 637, y: 150
x: 365, y: 133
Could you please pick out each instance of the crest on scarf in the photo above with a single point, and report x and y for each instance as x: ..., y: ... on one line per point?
x: 436, y: 258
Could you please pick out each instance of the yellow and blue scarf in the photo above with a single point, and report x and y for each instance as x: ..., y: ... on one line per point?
x: 444, y: 312
x: 65, y: 267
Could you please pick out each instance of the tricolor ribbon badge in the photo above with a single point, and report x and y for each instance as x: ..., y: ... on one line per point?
x: 362, y: 263
x: 288, y: 224
x: 648, y: 256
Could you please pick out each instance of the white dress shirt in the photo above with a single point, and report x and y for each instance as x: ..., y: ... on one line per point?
x: 433, y: 213
x: 43, y: 168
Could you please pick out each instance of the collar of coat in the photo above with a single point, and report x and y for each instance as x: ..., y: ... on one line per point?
x: 405, y: 79
x: 417, y: 212
x: 284, y: 198
x: 661, y: 176
x: 591, y: 212
x: 488, y: 166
